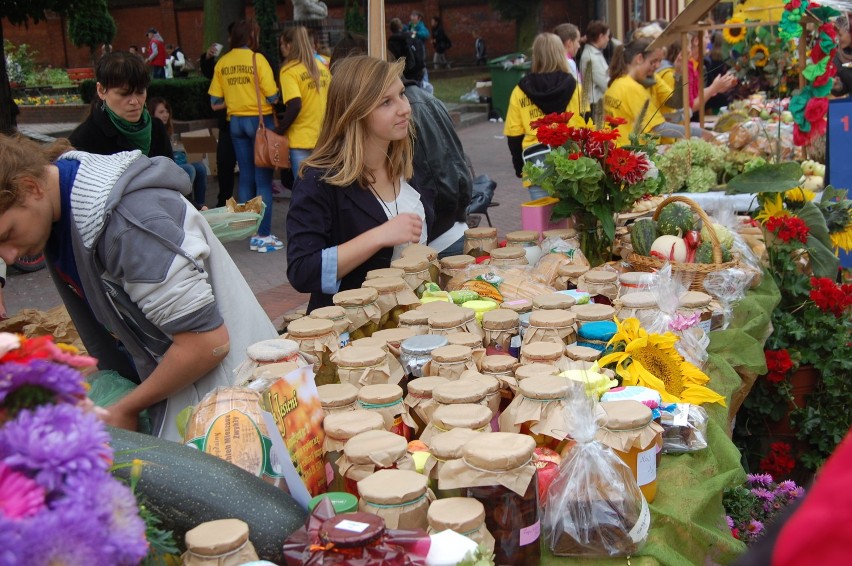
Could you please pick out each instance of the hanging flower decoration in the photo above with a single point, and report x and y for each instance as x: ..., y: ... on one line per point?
x: 651, y: 360
x: 759, y: 55
x: 734, y: 35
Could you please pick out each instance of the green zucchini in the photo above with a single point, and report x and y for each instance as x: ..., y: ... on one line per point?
x: 185, y: 487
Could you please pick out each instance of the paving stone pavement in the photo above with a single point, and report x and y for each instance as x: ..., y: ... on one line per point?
x: 266, y: 273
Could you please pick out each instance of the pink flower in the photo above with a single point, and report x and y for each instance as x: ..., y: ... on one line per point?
x: 20, y: 497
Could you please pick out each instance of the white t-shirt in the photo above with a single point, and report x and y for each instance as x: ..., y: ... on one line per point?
x: 408, y: 200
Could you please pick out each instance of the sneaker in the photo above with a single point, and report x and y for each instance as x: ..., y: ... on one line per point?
x: 269, y: 244
x: 254, y: 243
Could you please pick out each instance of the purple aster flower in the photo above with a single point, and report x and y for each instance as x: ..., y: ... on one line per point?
x: 730, y: 521
x: 760, y: 479
x: 754, y: 527
x: 62, y: 536
x: 797, y: 493
x: 66, y: 383
x: 20, y: 496
x: 55, y: 441
x: 763, y: 494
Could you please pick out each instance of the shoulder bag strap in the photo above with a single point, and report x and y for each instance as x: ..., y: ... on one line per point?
x: 260, y: 123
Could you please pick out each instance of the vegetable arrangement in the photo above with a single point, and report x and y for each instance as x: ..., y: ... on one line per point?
x: 676, y: 236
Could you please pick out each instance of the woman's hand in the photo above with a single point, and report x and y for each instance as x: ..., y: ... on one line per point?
x: 722, y: 84
x: 120, y: 418
x: 404, y: 228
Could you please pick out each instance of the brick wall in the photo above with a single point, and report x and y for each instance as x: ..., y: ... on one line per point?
x: 52, y: 114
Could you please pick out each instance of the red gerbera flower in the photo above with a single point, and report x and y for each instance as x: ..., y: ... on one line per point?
x: 553, y: 118
x: 553, y: 135
x: 604, y: 135
x: 626, y: 166
x: 615, y: 121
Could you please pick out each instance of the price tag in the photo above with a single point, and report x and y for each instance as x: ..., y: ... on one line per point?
x: 681, y: 415
x: 352, y: 526
x: 530, y: 534
x: 646, y: 466
x: 838, y: 170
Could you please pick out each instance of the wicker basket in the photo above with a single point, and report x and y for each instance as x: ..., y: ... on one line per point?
x: 692, y: 273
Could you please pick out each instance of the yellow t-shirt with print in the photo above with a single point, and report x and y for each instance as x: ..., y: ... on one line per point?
x: 663, y: 90
x: 625, y: 98
x: 522, y: 111
x: 233, y: 80
x: 296, y: 82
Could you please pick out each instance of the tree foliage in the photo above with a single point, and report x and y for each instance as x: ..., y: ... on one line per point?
x: 525, y: 14
x: 264, y: 11
x: 91, y: 25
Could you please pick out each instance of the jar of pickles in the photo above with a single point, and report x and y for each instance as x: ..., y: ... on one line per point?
x: 629, y: 429
x: 549, y: 353
x: 540, y: 410
x: 337, y: 397
x: 419, y: 399
x: 480, y: 241
x: 450, y: 321
x: 266, y: 352
x: 526, y: 240
x: 463, y: 515
x: 416, y: 272
x: 465, y: 415
x: 497, y: 470
x: 362, y: 310
x: 400, y: 497
x: 416, y: 320
x: 384, y: 272
x: 554, y: 301
x: 450, y: 361
x: 633, y: 281
x: 568, y: 275
x: 364, y: 365
x: 472, y: 341
x: 502, y: 368
x: 696, y: 302
x: 557, y: 326
x: 337, y: 316
x: 443, y: 447
x: 416, y: 352
x: 592, y: 313
x: 641, y: 305
x: 317, y: 341
x: 386, y: 399
x: 395, y: 297
x: 601, y: 284
x: 430, y: 253
x: 366, y: 453
x: 508, y: 257
x: 339, y: 428
x: 453, y: 265
x: 501, y: 326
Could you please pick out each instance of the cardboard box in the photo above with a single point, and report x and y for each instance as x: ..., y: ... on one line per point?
x: 483, y: 88
x: 200, y: 145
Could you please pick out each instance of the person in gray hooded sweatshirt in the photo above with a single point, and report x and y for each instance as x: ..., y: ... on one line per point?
x: 151, y: 290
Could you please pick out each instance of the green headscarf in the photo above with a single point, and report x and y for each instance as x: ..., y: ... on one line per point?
x: 139, y: 133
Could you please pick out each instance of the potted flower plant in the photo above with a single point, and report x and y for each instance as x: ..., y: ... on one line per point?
x: 752, y: 506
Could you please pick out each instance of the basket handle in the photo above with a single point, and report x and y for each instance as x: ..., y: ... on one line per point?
x: 714, y: 239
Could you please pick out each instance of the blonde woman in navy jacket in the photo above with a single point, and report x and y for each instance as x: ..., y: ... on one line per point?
x: 353, y: 208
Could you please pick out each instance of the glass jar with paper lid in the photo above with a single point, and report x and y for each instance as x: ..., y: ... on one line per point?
x: 463, y: 515
x: 465, y: 415
x: 480, y: 241
x: 528, y: 240
x: 317, y: 342
x: 416, y: 353
x: 371, y: 451
x: 386, y: 399
x: 339, y: 428
x: 362, y: 310
x: 395, y: 297
x: 508, y: 257
x: 540, y: 410
x: 400, y: 497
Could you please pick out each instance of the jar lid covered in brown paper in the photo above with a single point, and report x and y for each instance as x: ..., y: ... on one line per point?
x: 499, y: 452
x: 422, y: 386
x: 554, y: 301
x: 465, y: 339
x: 308, y: 327
x: 459, y: 514
x: 332, y: 313
x: 529, y: 370
x: 571, y: 269
x: 520, y: 306
x: 412, y: 264
x: 414, y: 318
x: 543, y: 351
x: 356, y: 297
x: 272, y: 350
x: 379, y: 447
x: 451, y: 353
x: 523, y: 236
x: 448, y: 445
x: 413, y: 250
x: 639, y: 299
x: 357, y: 356
x: 217, y: 537
x: 392, y: 487
x: 371, y: 342
x: 384, y: 272
x: 564, y: 233
x: 480, y: 233
x: 695, y: 300
x: 593, y: 312
x: 582, y: 353
x: 393, y: 336
x: 492, y: 384
x: 461, y: 415
x: 337, y: 394
x: 454, y: 392
x: 380, y: 393
x: 636, y: 279
x: 508, y: 253
x: 554, y: 318
x: 386, y: 284
x: 601, y: 276
x: 625, y: 424
x: 450, y: 318
x: 498, y: 363
x: 456, y: 261
x: 545, y: 387
x: 500, y: 319
x: 344, y: 426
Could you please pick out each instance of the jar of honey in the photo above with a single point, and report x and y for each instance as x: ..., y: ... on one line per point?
x: 500, y: 326
x: 549, y: 353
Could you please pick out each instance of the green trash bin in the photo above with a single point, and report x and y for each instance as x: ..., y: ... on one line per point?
x: 504, y: 78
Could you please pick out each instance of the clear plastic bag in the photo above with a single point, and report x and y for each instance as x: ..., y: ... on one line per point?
x: 594, y: 506
x: 692, y: 340
x: 557, y: 252
x: 728, y: 286
x: 684, y: 428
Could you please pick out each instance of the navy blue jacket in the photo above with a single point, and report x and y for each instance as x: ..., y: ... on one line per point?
x: 322, y: 216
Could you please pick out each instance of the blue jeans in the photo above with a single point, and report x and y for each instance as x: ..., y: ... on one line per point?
x: 198, y: 177
x: 254, y: 181
x: 296, y: 158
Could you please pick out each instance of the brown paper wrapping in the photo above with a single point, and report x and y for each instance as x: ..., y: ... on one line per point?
x: 547, y: 332
x: 340, y: 427
x: 400, y: 497
x: 463, y: 515
x: 452, y: 266
x: 497, y: 461
x: 472, y: 341
x: 492, y: 388
x: 554, y: 301
x: 397, y: 372
x: 547, y: 268
x: 462, y: 391
x: 569, y: 273
x: 393, y: 337
x: 545, y: 416
x: 373, y: 367
x: 582, y: 353
x: 589, y: 284
x: 450, y: 370
x: 416, y: 320
x: 223, y: 542
x: 388, y: 408
x: 502, y: 367
x: 417, y: 398
x: 480, y: 239
x: 416, y: 270
x: 445, y: 446
x: 626, y: 424
x: 338, y: 397
x: 449, y: 417
x: 361, y: 306
x: 384, y: 272
x: 592, y: 312
x: 317, y: 337
x: 393, y: 292
x: 540, y: 352
x: 56, y: 322
x: 336, y: 314
x: 373, y: 450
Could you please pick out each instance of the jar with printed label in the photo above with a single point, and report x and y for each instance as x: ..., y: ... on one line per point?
x: 540, y: 410
x: 317, y: 341
x: 497, y: 470
x: 508, y: 257
x: 629, y: 429
x: 641, y: 305
x: 696, y: 302
x: 337, y: 316
x: 419, y: 400
x: 450, y: 361
x: 224, y: 542
x: 366, y: 453
x: 528, y: 240
x: 395, y: 297
x: 453, y: 265
x: 338, y: 397
x: 553, y: 301
x: 449, y: 417
x: 501, y: 327
x: 362, y: 310
x: 549, y: 353
x: 400, y: 497
x: 416, y: 272
x: 557, y: 326
x: 480, y: 241
x: 416, y: 352
x: 416, y: 320
x: 601, y: 284
x: 463, y: 515
x: 386, y: 399
x: 339, y: 428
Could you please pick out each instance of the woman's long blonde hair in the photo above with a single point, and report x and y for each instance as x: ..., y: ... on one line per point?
x: 356, y: 89
x: 301, y: 51
x: 548, y: 54
x: 20, y: 157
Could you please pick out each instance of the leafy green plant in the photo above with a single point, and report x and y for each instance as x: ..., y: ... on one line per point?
x: 188, y: 97
x: 19, y: 61
x: 91, y: 25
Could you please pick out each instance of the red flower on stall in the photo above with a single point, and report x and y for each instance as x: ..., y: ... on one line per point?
x: 831, y: 297
x: 816, y: 108
x: 788, y: 228
x: 778, y: 362
x: 778, y: 462
x: 553, y: 135
x: 615, y: 121
x: 626, y: 166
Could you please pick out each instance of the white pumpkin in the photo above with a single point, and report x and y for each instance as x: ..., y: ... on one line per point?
x: 670, y: 247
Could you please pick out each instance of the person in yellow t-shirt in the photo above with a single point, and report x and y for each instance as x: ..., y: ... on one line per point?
x: 548, y: 88
x: 304, y: 91
x: 234, y: 89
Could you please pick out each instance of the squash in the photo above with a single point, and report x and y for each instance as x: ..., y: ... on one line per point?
x: 675, y: 219
x: 670, y: 248
x: 643, y: 232
x: 185, y: 487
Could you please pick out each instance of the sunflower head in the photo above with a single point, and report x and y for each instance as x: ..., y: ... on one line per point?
x: 771, y: 206
x: 842, y: 238
x: 736, y: 34
x: 759, y: 54
x: 799, y: 195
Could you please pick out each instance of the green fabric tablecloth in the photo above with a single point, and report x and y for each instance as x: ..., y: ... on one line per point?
x: 687, y: 518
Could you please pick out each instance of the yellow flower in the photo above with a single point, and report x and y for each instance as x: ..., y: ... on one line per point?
x: 759, y: 54
x: 799, y: 195
x: 734, y: 35
x: 842, y: 239
x: 651, y: 360
x: 772, y: 206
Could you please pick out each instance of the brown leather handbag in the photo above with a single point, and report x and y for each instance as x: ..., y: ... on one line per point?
x: 270, y: 149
